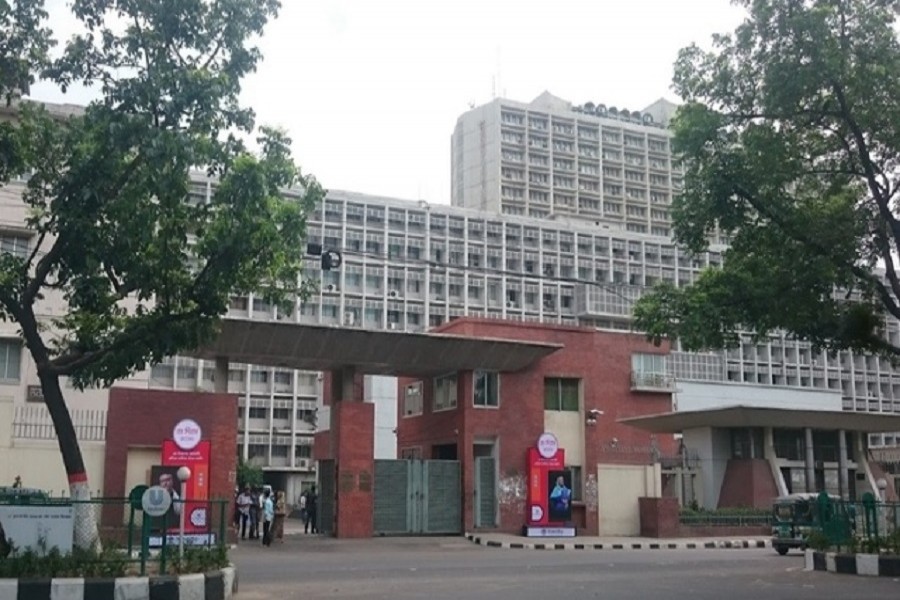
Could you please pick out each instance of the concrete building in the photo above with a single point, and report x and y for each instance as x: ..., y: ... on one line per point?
x: 611, y: 167
x: 410, y: 266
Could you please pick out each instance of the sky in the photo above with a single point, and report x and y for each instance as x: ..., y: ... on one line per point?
x: 370, y: 90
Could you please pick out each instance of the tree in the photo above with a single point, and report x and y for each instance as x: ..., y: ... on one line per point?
x: 248, y: 474
x: 145, y: 272
x: 790, y: 136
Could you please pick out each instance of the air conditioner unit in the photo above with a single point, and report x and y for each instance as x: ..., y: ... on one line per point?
x: 349, y: 318
x: 303, y: 463
x: 393, y: 326
x: 510, y: 305
x: 393, y: 294
x: 330, y: 288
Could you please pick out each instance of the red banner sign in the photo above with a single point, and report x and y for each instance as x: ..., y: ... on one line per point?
x: 549, y: 488
x: 196, y: 489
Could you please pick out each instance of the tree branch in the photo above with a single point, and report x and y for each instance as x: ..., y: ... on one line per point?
x: 69, y: 363
x: 890, y: 302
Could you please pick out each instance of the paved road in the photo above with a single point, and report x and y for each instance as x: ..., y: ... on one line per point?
x: 450, y: 568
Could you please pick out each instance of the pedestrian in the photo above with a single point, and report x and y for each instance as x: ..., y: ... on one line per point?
x: 255, y: 506
x: 268, y: 517
x: 302, y: 504
x: 312, y: 505
x: 280, y: 514
x: 244, y: 503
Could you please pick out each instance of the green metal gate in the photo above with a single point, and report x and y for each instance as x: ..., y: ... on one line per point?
x: 485, y: 492
x: 417, y: 497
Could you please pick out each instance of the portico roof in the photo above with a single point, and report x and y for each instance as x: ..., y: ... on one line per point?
x: 751, y: 416
x: 376, y: 352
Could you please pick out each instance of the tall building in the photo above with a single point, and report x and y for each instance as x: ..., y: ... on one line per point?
x: 610, y: 166
x: 413, y: 265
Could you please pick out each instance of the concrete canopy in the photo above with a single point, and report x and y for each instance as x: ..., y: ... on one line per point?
x: 375, y: 352
x: 781, y: 418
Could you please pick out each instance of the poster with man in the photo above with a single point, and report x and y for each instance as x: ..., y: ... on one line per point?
x: 560, y: 501
x: 166, y: 477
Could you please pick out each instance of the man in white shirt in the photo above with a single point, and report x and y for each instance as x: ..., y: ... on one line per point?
x: 244, y: 502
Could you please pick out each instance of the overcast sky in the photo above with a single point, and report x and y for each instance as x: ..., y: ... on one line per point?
x: 370, y: 90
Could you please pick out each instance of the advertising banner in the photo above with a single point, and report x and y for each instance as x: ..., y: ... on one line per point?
x: 549, y: 488
x: 39, y: 527
x: 195, y: 489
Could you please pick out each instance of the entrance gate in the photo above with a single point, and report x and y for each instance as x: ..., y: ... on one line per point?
x: 414, y: 497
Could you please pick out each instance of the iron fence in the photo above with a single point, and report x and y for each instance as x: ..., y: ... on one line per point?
x: 135, y: 540
x: 725, y: 520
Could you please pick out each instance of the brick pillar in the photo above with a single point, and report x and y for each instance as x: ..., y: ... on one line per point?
x: 353, y: 444
x: 353, y: 428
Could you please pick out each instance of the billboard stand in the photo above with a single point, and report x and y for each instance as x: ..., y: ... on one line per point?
x: 549, y: 506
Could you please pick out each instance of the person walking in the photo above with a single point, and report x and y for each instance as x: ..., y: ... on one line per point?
x: 280, y: 515
x: 312, y: 506
x: 244, y: 503
x: 268, y: 516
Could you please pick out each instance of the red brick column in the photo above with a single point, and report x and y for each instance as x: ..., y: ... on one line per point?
x: 353, y: 432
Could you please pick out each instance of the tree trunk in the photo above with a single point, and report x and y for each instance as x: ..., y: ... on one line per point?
x: 87, y: 534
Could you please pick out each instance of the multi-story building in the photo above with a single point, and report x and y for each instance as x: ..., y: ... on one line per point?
x: 610, y: 166
x: 414, y: 265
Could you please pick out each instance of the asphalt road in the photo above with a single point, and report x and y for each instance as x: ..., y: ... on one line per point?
x: 445, y: 568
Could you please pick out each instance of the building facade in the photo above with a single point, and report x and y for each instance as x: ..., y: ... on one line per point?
x: 612, y: 167
x: 558, y: 250
x: 488, y: 420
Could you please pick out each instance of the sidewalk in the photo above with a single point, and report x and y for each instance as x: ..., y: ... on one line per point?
x: 516, y: 542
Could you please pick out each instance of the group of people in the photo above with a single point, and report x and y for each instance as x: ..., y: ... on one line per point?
x: 263, y: 508
x: 254, y: 507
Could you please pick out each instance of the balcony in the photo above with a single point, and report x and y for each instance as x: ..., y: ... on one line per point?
x: 652, y: 382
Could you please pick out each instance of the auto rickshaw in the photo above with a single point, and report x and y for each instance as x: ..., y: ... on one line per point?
x: 795, y: 516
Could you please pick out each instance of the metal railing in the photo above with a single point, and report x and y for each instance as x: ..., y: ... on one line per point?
x: 724, y: 520
x: 847, y: 523
x: 34, y: 423
x: 132, y: 539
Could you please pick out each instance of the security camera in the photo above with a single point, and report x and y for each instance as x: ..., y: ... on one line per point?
x: 595, y: 412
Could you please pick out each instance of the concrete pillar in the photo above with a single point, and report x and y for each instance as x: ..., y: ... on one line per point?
x: 810, y: 462
x: 843, y: 475
x: 220, y: 380
x: 347, y: 384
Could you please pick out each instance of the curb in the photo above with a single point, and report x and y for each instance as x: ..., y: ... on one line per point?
x: 214, y: 585
x: 864, y: 565
x: 709, y: 545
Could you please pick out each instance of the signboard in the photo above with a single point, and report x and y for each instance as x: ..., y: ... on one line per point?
x: 196, y: 489
x: 38, y: 526
x: 156, y: 501
x: 549, y: 499
x: 187, y: 434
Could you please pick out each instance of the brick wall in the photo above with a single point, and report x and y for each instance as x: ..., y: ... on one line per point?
x: 602, y: 360
x: 748, y: 482
x: 144, y: 418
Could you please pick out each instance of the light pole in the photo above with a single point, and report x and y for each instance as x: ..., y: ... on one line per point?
x: 184, y: 473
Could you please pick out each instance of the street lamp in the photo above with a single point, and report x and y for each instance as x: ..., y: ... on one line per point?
x: 184, y: 473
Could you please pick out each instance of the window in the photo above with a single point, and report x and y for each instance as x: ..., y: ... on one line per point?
x: 282, y: 413
x: 256, y: 451
x: 412, y: 399
x: 283, y: 377
x: 445, y: 393
x: 487, y: 388
x: 10, y: 360
x: 258, y: 412
x: 17, y: 245
x: 259, y: 377
x: 561, y: 393
x: 648, y: 364
x: 303, y: 451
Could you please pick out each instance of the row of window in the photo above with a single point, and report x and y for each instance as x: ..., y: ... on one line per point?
x: 560, y: 394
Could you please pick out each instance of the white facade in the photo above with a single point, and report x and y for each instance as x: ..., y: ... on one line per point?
x: 609, y: 166
x: 694, y: 395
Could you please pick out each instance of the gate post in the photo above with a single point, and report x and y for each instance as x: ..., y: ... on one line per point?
x: 353, y: 439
